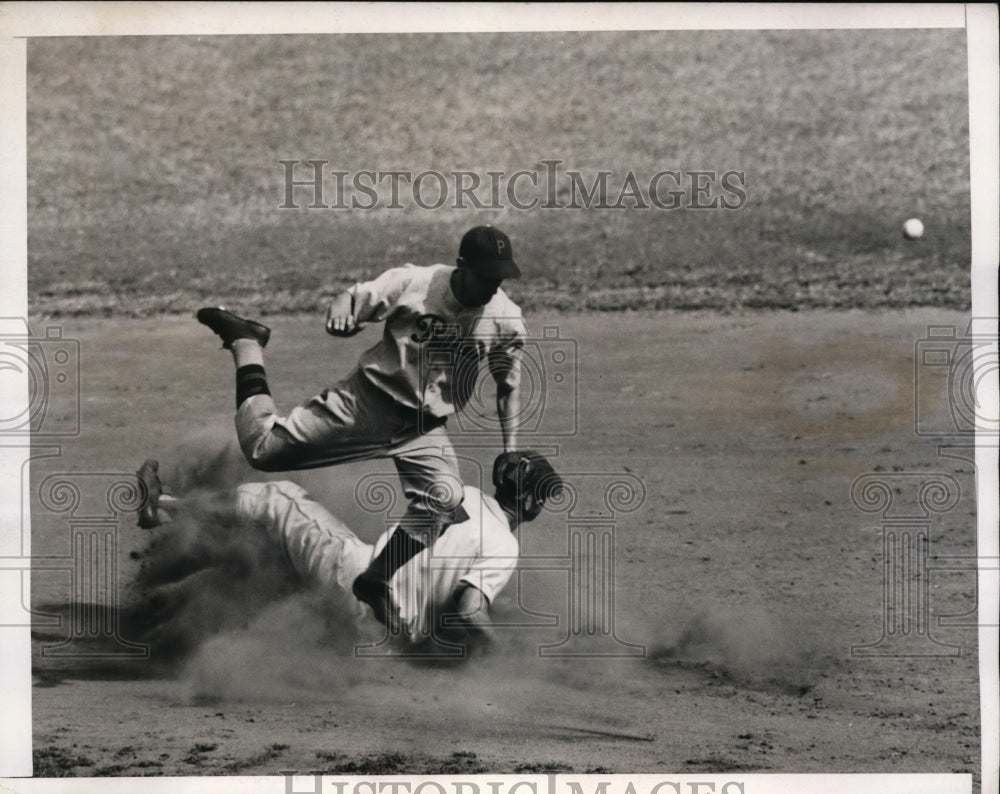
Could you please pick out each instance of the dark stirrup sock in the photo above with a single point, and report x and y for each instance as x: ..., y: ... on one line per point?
x: 399, y: 550
x: 250, y: 381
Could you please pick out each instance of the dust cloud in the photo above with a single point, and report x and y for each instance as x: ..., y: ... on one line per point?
x: 750, y: 646
x: 224, y: 613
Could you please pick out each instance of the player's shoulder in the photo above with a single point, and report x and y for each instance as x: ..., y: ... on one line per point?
x: 408, y: 278
x: 504, y: 302
x: 494, y: 525
x: 473, y: 498
x: 477, y: 503
x: 406, y: 272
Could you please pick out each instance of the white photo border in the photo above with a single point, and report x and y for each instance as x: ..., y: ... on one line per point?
x: 20, y: 21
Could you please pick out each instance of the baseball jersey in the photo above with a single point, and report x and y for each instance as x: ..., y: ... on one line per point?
x: 431, y: 349
x: 481, y: 551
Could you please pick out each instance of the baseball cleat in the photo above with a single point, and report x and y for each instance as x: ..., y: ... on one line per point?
x: 229, y: 327
x: 374, y: 591
x: 149, y: 476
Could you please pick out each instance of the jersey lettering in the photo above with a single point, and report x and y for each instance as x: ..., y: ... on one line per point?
x: 434, y: 328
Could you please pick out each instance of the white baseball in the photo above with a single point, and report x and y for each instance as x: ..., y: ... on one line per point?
x: 913, y: 229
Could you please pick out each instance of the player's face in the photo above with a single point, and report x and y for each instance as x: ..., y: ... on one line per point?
x: 472, y: 289
x: 525, y: 506
x: 530, y: 507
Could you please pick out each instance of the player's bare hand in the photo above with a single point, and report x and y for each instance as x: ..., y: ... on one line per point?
x: 340, y: 316
x: 472, y: 621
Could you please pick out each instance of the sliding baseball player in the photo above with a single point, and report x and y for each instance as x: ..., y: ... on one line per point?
x: 459, y: 575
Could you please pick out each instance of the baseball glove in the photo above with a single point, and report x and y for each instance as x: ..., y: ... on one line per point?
x: 524, y: 473
x: 344, y: 334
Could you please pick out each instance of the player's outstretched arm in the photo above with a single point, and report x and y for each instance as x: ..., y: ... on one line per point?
x: 505, y: 367
x: 508, y: 412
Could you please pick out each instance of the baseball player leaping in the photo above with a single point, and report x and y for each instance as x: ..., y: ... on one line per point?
x: 459, y: 575
x: 441, y: 322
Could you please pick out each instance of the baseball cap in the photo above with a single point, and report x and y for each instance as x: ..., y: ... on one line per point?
x: 488, y: 252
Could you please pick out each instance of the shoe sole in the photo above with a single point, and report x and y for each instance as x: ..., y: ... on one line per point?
x: 148, y: 475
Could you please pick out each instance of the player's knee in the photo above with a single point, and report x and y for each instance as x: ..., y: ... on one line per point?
x: 266, y: 464
x: 264, y: 445
x: 263, y: 460
x: 263, y: 502
x: 249, y: 498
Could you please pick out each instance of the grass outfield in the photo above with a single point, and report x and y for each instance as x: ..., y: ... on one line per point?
x: 154, y: 175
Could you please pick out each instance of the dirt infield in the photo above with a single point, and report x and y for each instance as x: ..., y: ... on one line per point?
x: 746, y: 574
